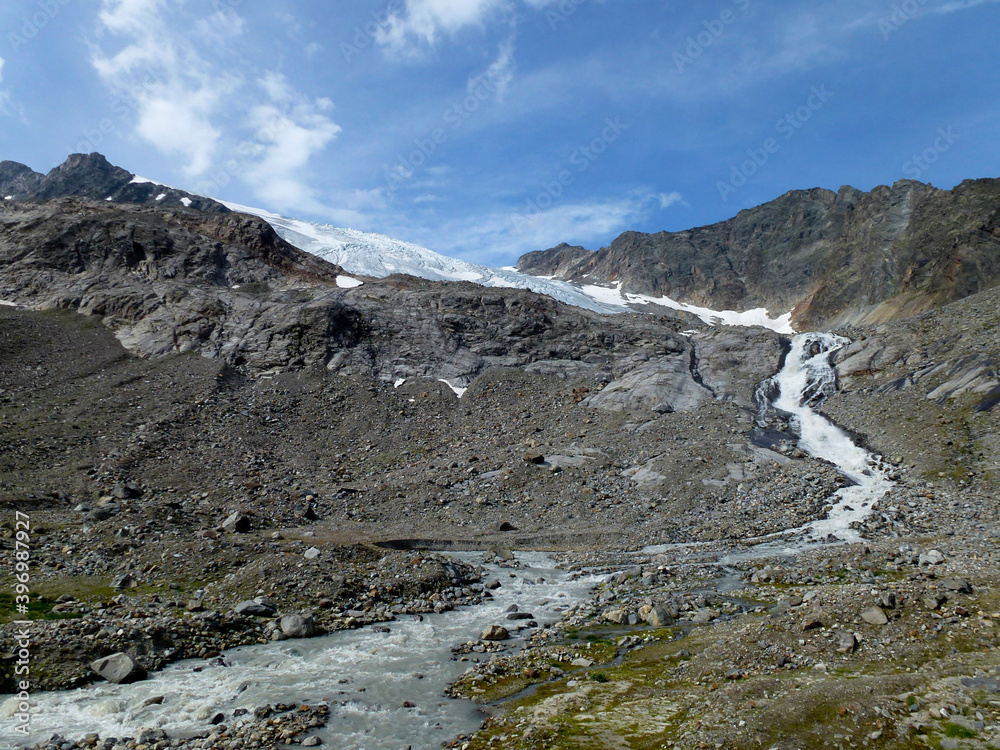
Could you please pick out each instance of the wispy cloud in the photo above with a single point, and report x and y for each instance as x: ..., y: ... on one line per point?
x: 500, y: 236
x: 4, y: 96
x: 962, y: 5
x: 291, y: 129
x: 669, y: 199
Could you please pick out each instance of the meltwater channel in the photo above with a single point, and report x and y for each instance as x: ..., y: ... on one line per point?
x: 381, y: 671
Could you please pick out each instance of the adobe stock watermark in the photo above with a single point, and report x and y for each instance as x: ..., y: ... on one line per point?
x: 212, y: 186
x: 123, y: 107
x: 921, y: 163
x: 365, y: 34
x: 902, y: 14
x: 787, y: 127
x: 562, y: 12
x: 32, y: 25
x: 715, y: 29
x: 22, y: 632
x: 581, y: 160
x: 480, y: 91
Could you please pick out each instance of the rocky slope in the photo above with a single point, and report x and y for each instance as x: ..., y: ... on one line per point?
x: 834, y: 258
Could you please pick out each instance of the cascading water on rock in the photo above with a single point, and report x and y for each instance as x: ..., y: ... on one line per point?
x: 806, y: 379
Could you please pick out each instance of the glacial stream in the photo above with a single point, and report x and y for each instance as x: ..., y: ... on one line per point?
x: 365, y: 676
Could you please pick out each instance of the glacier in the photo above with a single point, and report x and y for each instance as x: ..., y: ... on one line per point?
x: 378, y: 256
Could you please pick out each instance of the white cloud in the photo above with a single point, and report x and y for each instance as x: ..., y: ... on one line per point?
x: 175, y: 90
x: 425, y: 21
x: 4, y: 96
x: 291, y: 130
x: 669, y: 199
x: 962, y: 5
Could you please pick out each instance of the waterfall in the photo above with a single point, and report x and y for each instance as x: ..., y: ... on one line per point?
x: 804, y: 382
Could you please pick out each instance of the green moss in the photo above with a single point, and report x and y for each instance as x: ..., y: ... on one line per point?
x: 37, y: 610
x: 957, y: 731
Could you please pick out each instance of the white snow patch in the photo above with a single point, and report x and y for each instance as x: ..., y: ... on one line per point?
x: 759, y: 317
x: 110, y: 198
x: 399, y: 383
x: 458, y: 391
x: 9, y: 198
x: 161, y: 196
x: 348, y: 282
x: 137, y: 180
x: 186, y: 202
x: 8, y: 303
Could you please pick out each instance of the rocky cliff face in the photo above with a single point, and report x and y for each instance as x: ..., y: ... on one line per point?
x: 225, y: 286
x: 837, y: 257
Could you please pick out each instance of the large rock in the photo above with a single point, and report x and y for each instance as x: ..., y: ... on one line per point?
x: 255, y: 608
x: 875, y: 616
x: 665, y: 384
x: 237, y: 523
x: 119, y: 668
x: 495, y: 633
x: 299, y: 626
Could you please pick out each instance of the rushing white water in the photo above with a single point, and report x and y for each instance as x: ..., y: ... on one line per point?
x: 806, y: 379
x: 365, y: 676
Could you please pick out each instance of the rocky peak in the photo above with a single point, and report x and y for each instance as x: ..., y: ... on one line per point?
x: 93, y: 176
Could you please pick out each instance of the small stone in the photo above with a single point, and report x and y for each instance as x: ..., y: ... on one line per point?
x: 534, y: 457
x: 846, y: 643
x: 313, y: 741
x: 581, y: 662
x: 616, y: 616
x: 933, y: 557
x: 959, y: 585
x: 123, y: 582
x: 236, y: 523
x: 299, y: 626
x: 255, y: 608
x: 312, y: 553
x: 875, y: 616
x: 934, y: 601
x: 811, y: 623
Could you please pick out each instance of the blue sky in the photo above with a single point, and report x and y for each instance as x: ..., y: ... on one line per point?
x: 489, y: 128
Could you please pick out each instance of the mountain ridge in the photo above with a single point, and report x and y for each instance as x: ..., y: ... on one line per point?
x: 835, y: 257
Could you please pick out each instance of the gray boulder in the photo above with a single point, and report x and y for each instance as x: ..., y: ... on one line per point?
x: 237, y: 523
x: 299, y: 626
x: 119, y: 668
x: 255, y: 608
